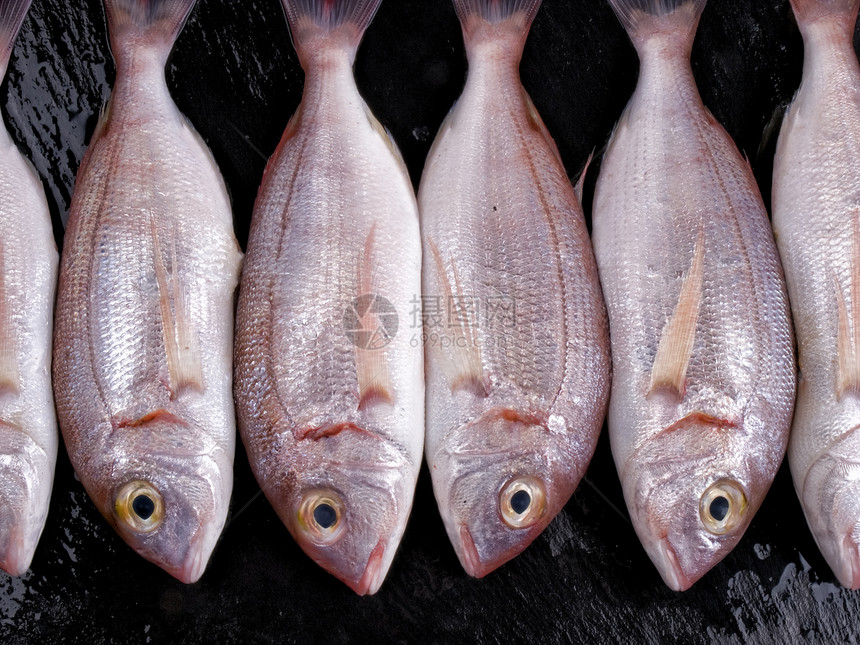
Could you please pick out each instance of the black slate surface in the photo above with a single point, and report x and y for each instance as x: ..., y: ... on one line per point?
x: 586, y: 579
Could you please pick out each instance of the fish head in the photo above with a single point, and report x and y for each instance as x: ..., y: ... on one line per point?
x: 499, y: 483
x: 25, y: 471
x: 346, y: 501
x: 692, y: 492
x: 168, y: 494
x: 830, y: 494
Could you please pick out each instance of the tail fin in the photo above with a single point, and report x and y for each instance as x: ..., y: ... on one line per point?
x: 12, y: 13
x: 645, y: 18
x: 156, y: 23
x: 476, y: 15
x: 320, y: 23
x: 811, y: 11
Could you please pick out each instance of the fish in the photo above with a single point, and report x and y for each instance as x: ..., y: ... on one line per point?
x: 816, y: 219
x: 515, y: 329
x: 143, y: 337
x: 702, y: 343
x: 329, y: 383
x: 28, y: 280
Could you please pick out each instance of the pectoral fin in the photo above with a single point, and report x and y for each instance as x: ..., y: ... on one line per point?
x: 185, y: 370
x: 458, y: 350
x: 676, y: 343
x: 371, y: 365
x: 848, y: 333
x: 9, y: 375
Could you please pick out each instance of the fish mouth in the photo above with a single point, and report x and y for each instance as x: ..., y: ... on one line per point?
x: 195, y: 561
x: 17, y: 558
x: 374, y: 573
x: 670, y: 568
x: 848, y: 571
x: 469, y: 558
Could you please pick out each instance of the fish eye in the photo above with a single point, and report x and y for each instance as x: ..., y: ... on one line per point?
x: 321, y: 516
x: 140, y: 506
x: 722, y: 506
x: 522, y: 502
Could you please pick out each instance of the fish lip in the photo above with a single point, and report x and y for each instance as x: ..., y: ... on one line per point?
x: 849, y: 564
x: 195, y: 562
x: 18, y: 556
x: 670, y: 568
x: 374, y: 572
x: 469, y: 557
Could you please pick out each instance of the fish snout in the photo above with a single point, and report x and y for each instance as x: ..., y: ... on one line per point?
x: 848, y: 565
x: 670, y: 567
x: 469, y: 557
x: 374, y: 572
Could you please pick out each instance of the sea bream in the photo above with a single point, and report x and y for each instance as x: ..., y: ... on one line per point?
x: 517, y: 345
x: 28, y: 279
x: 703, y: 364
x: 329, y: 382
x: 144, y: 321
x: 816, y: 217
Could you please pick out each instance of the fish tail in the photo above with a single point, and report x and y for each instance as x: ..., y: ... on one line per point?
x: 489, y: 18
x: 320, y: 24
x: 154, y: 23
x: 643, y: 19
x: 12, y: 13
x: 844, y: 12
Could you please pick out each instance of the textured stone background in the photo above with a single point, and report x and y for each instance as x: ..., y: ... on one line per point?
x: 586, y: 579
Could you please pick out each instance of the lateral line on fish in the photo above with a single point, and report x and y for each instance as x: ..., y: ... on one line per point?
x: 461, y: 362
x: 547, y: 210
x: 183, y: 355
x: 669, y: 372
x: 371, y: 367
x: 10, y: 378
x: 848, y: 333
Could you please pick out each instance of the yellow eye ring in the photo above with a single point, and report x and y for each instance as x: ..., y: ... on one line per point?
x: 522, y: 502
x: 722, y: 506
x: 321, y: 516
x: 139, y: 506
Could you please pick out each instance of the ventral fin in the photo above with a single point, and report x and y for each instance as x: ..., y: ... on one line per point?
x: 374, y: 318
x: 676, y: 343
x: 9, y: 374
x: 460, y: 354
x: 848, y: 334
x: 184, y: 365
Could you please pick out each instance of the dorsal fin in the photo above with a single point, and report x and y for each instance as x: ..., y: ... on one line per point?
x: 184, y: 365
x: 848, y: 334
x: 371, y: 365
x: 676, y: 343
x: 9, y: 374
x: 460, y: 358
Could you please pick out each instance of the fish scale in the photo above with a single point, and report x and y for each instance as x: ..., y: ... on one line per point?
x: 148, y: 273
x: 28, y: 273
x: 816, y: 206
x: 703, y: 365
x: 515, y: 396
x: 333, y: 427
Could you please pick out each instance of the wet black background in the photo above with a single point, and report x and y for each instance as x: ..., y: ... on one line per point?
x: 235, y: 75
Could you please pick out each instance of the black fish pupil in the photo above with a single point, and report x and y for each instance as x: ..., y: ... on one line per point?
x: 520, y: 501
x: 719, y: 508
x: 143, y: 507
x: 325, y: 516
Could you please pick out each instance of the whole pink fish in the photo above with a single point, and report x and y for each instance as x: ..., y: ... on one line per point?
x: 816, y: 217
x: 329, y: 385
x: 28, y: 277
x: 702, y: 349
x: 515, y: 329
x: 144, y: 320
